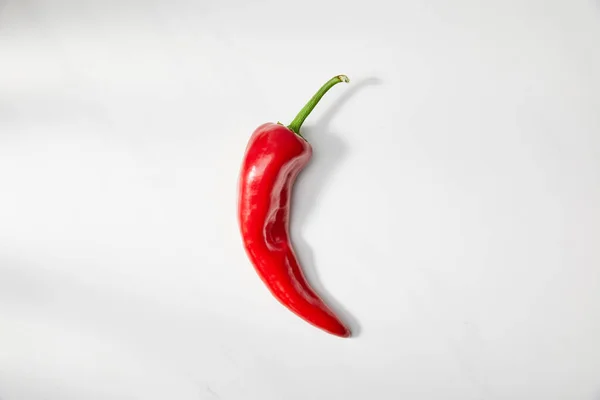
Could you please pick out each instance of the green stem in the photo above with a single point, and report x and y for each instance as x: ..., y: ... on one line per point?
x: 299, y: 120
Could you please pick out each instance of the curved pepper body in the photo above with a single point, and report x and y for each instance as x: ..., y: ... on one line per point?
x: 274, y: 157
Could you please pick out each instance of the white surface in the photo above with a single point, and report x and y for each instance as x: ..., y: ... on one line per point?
x: 451, y: 208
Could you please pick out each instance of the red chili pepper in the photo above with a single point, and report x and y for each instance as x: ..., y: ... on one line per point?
x: 274, y: 157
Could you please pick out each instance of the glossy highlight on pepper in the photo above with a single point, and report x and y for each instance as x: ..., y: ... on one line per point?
x: 274, y: 156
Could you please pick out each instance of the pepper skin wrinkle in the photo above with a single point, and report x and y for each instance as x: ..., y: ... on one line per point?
x: 274, y: 157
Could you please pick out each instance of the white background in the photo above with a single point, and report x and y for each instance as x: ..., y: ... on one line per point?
x: 451, y: 211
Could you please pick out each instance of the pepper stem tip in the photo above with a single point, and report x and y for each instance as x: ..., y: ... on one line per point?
x: 299, y: 120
